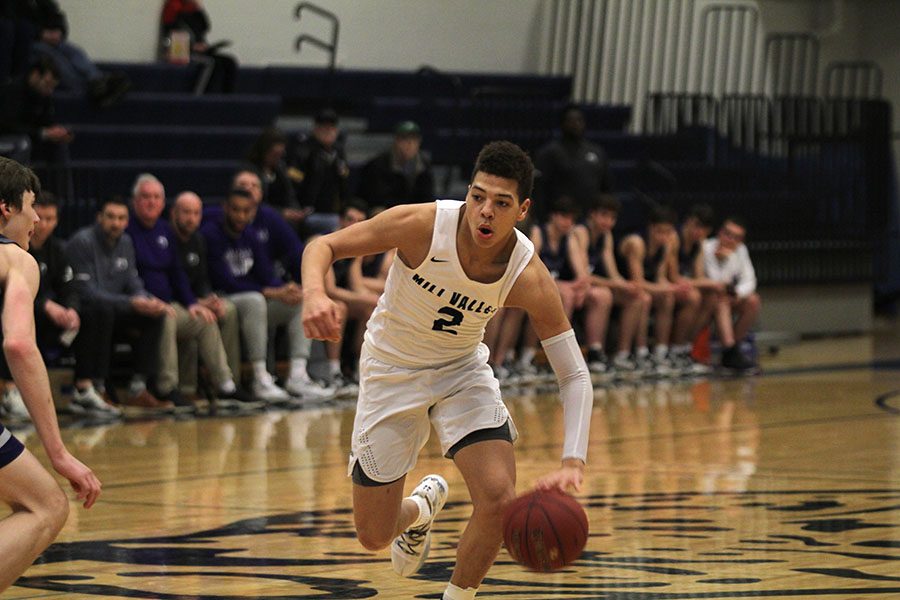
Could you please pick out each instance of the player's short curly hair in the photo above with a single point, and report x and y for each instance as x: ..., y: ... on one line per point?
x: 15, y: 180
x: 505, y: 159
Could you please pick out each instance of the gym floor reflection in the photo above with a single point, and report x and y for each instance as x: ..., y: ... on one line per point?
x: 781, y: 485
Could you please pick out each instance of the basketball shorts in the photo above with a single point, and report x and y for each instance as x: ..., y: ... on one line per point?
x: 10, y: 447
x: 397, y: 407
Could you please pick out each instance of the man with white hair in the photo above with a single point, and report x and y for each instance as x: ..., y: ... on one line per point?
x: 188, y: 320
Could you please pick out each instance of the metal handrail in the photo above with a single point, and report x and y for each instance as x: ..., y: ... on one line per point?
x: 330, y: 47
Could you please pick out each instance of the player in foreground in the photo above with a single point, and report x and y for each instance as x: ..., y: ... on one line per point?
x: 423, y: 362
x: 39, y: 505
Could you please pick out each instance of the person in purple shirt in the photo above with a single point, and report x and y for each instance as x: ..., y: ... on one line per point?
x: 239, y: 263
x: 156, y: 252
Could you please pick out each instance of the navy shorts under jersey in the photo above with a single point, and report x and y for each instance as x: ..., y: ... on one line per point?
x: 10, y: 447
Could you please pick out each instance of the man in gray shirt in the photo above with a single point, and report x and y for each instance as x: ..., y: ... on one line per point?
x: 106, y: 280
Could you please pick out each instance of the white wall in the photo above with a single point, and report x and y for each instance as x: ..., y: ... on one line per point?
x: 457, y: 35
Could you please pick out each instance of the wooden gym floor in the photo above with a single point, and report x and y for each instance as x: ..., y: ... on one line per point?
x: 782, y: 485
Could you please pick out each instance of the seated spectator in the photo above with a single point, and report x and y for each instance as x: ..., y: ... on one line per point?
x: 27, y: 126
x: 356, y: 287
x: 16, y: 36
x: 643, y: 260
x: 596, y: 239
x: 319, y: 169
x: 401, y: 174
x: 727, y: 260
x: 112, y: 295
x: 266, y: 156
x: 686, y: 264
x: 558, y: 248
x: 56, y: 317
x: 238, y: 264
x: 77, y: 72
x: 185, y: 217
x: 273, y: 231
x: 189, y: 16
x: 188, y: 320
x: 570, y: 166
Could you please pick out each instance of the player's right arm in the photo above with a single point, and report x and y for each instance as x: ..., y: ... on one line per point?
x: 30, y: 374
x: 407, y: 227
x: 536, y: 292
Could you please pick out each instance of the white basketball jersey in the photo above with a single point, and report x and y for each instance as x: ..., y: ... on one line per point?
x: 434, y: 314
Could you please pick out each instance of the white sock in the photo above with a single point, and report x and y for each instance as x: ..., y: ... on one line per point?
x: 137, y: 385
x: 660, y: 351
x: 642, y: 351
x: 334, y: 366
x: 298, y: 369
x: 424, y: 512
x: 527, y: 355
x: 682, y: 349
x: 259, y: 370
x: 457, y: 593
x: 227, y: 387
x: 596, y: 346
x: 622, y: 355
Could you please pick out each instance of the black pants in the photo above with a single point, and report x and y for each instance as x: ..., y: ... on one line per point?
x: 94, y: 344
x: 46, y: 335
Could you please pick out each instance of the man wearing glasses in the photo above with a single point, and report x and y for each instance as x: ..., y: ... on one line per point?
x: 726, y: 259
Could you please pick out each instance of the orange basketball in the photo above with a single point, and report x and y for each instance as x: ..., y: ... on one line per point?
x: 545, y: 531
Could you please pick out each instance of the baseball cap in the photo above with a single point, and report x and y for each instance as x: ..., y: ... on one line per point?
x: 326, y: 115
x: 407, y: 128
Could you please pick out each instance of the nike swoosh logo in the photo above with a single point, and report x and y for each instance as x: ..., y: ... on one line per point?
x: 433, y: 259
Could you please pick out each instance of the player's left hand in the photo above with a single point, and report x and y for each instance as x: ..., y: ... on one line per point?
x: 570, y: 475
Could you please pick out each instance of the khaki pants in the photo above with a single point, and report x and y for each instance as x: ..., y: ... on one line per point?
x: 179, y: 352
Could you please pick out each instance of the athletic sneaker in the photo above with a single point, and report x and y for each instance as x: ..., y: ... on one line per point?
x: 624, y: 368
x: 597, y: 362
x: 90, y: 402
x: 14, y: 406
x: 264, y: 389
x: 344, y: 387
x: 303, y: 387
x: 733, y: 358
x: 238, y: 399
x: 410, y: 549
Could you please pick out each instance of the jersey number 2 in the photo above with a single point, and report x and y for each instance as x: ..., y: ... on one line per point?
x: 455, y: 319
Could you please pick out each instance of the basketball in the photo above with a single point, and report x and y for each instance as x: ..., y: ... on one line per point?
x: 545, y: 531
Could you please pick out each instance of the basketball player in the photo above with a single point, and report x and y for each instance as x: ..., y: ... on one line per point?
x: 39, y: 505
x: 423, y: 362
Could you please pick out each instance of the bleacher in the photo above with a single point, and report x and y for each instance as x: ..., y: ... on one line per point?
x: 774, y: 160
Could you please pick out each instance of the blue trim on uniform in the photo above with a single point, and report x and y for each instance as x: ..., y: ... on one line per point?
x: 10, y: 447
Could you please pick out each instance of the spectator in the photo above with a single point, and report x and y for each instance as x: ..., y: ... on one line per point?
x: 570, y: 166
x: 56, y: 315
x: 220, y: 70
x: 356, y: 287
x: 113, y: 296
x: 686, y: 264
x: 238, y: 264
x: 16, y: 36
x: 558, y: 249
x: 401, y: 174
x: 273, y: 231
x: 77, y: 72
x: 185, y: 219
x: 319, y: 169
x: 596, y: 239
x: 188, y: 321
x: 727, y: 260
x: 277, y: 190
x: 26, y: 119
x: 643, y: 261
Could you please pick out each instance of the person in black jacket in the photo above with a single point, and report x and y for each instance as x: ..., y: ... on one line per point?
x: 319, y: 168
x: 26, y: 116
x: 401, y: 174
x: 570, y: 166
x: 56, y: 317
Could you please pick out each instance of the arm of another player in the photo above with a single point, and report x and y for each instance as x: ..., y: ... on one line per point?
x: 406, y: 227
x: 536, y: 292
x: 30, y: 375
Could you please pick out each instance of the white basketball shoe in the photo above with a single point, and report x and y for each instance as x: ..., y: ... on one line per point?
x: 410, y: 549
